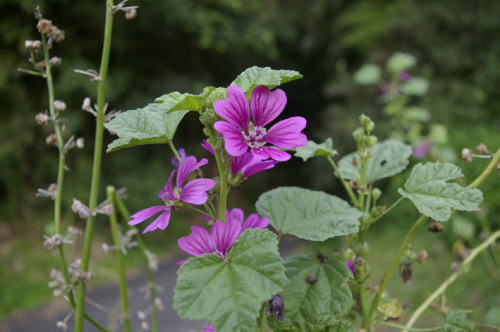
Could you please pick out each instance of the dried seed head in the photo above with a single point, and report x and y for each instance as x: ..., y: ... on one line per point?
x: 51, y: 140
x: 311, y: 279
x: 466, y: 155
x: 353, y: 184
x: 41, y: 118
x: 354, y: 161
x: 44, y: 26
x: 276, y: 307
x: 49, y: 244
x: 59, y: 105
x: 74, y: 231
x: 55, y: 61
x: 57, y: 239
x: 41, y: 64
x: 130, y: 13
x: 52, y: 31
x: 406, y: 271
x: 80, y: 143
x: 62, y: 325
x: 481, y: 149
x: 435, y: 227
x: 141, y: 315
x: 58, y: 36
x: 422, y: 256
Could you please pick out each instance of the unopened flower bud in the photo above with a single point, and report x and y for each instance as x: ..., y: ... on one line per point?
x: 481, y: 149
x: 276, y: 307
x: 364, y: 120
x: 28, y: 44
x: 144, y: 325
x: 376, y: 194
x: 406, y: 271
x: 422, y: 256
x: 141, y: 315
x: 55, y: 61
x: 466, y: 155
x: 36, y: 44
x: 62, y: 325
x: 57, y: 293
x: 372, y: 140
x: 58, y: 36
x: 86, y: 104
x: 130, y: 13
x: 435, y: 227
x: 79, y: 143
x: 59, y: 105
x: 208, y: 117
x: 51, y: 140
x: 44, y: 26
x: 370, y: 126
x: 358, y: 134
x: 41, y: 118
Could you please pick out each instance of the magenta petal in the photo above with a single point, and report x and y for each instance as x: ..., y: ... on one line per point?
x: 239, y: 162
x: 207, y: 147
x: 266, y: 105
x: 142, y: 215
x: 224, y: 235
x: 235, y: 214
x: 233, y: 138
x: 188, y: 165
x: 197, y: 243
x: 286, y: 134
x: 209, y: 328
x: 195, y: 191
x: 234, y: 109
x: 167, y: 193
x: 254, y: 221
x: 161, y: 222
x: 181, y: 262
x: 175, y: 161
x: 257, y: 166
x: 264, y: 152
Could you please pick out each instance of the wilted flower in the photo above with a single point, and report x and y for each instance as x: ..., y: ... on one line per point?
x: 194, y: 192
x: 44, y: 26
x: 55, y: 61
x: 466, y: 155
x: 176, y: 162
x: 350, y: 265
x: 239, y: 133
x: 130, y: 13
x: 209, y: 328
x: 276, y: 307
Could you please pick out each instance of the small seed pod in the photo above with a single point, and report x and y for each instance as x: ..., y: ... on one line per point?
x: 353, y: 184
x: 41, y: 118
x: 51, y: 140
x: 57, y: 293
x: 311, y: 279
x: 354, y: 161
x: 435, y: 227
x: 58, y: 240
x: 130, y: 13
x: 55, y: 61
x: 58, y: 36
x: 60, y: 105
x: 86, y: 104
x: 481, y: 149
x: 41, y: 65
x: 159, y: 304
x: 44, y: 26
x: 466, y: 155
x: 49, y: 244
x: 422, y: 256
x: 36, y: 44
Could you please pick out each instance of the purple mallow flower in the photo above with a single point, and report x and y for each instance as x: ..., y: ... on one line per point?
x: 221, y: 237
x: 209, y: 328
x: 403, y: 76
x: 239, y: 133
x: 245, y: 164
x: 194, y: 192
x: 176, y: 162
x: 350, y: 265
x: 422, y: 149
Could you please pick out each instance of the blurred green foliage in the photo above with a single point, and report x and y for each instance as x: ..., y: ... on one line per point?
x: 184, y: 45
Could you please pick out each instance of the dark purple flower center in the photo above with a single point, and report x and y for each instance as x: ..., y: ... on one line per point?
x: 255, y: 137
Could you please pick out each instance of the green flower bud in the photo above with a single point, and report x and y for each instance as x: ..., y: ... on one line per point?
x: 208, y: 117
x: 235, y: 179
x: 370, y: 126
x: 206, y: 130
x: 217, y: 94
x: 217, y: 184
x: 364, y: 120
x: 358, y: 134
x: 372, y: 140
x: 350, y: 255
x: 376, y: 193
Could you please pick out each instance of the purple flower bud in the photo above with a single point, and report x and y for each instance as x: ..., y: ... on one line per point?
x: 276, y: 307
x: 176, y: 162
x: 404, y: 76
x: 421, y: 150
x: 350, y: 266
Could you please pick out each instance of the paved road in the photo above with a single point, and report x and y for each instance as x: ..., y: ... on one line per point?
x: 44, y: 318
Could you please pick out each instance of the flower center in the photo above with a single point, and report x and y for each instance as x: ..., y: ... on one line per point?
x: 255, y: 137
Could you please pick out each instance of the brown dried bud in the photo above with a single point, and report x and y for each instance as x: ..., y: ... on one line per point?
x: 422, y: 256
x: 406, y: 271
x: 311, y: 279
x: 58, y: 36
x: 111, y: 132
x: 353, y: 184
x: 41, y: 118
x: 52, y: 31
x: 354, y: 161
x: 49, y: 244
x: 363, y: 190
x: 44, y: 26
x: 55, y: 61
x: 80, y: 143
x: 466, y: 155
x: 60, y: 105
x: 481, y: 149
x: 435, y: 227
x: 51, y: 140
x: 461, y: 253
x: 130, y: 13
x: 41, y: 64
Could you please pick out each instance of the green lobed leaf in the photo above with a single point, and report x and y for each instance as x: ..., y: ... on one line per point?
x: 463, y: 228
x: 368, y: 74
x: 271, y: 78
x: 400, y: 61
x: 417, y: 86
x: 313, y: 149
x: 456, y: 321
x: 308, y: 214
x: 230, y: 295
x: 417, y: 113
x: 176, y: 101
x: 341, y: 326
x: 148, y: 125
x: 310, y: 307
x: 386, y: 159
x: 434, y: 197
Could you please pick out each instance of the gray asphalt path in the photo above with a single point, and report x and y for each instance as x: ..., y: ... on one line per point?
x: 44, y: 319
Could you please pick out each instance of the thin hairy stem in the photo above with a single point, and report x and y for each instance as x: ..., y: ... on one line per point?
x: 401, y: 327
x: 347, y: 188
x: 440, y: 290
x: 491, y: 166
x: 96, y: 169
x: 387, y: 210
x: 110, y: 191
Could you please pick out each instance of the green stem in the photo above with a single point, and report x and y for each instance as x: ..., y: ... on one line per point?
x: 409, y: 237
x: 260, y: 319
x: 347, y: 188
x: 94, y: 189
x: 142, y: 247
x: 223, y: 187
x: 440, y: 290
x: 401, y: 327
x: 387, y: 210
x: 491, y: 166
x: 110, y: 191
x: 365, y: 306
